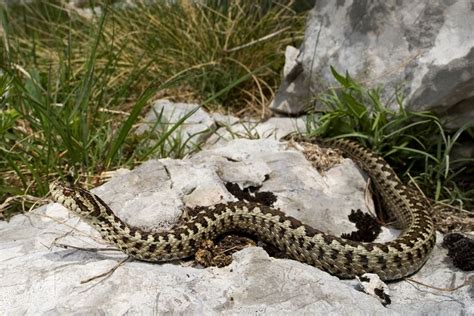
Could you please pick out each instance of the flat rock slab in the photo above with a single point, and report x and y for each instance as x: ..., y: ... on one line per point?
x: 41, y: 278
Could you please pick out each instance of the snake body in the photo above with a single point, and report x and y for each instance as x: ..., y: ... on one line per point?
x: 344, y: 258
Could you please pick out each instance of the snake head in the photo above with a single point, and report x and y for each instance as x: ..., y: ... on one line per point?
x: 63, y: 194
x: 73, y: 198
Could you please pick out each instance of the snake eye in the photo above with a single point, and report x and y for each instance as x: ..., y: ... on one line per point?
x: 68, y: 192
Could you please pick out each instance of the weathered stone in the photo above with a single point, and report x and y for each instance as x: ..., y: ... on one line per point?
x: 274, y: 128
x: 164, y: 115
x: 39, y: 278
x: 204, y: 129
x: 427, y: 49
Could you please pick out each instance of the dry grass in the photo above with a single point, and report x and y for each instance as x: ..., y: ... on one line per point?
x: 75, y: 86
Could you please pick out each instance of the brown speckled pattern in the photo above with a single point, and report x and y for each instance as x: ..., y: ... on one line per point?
x: 343, y: 258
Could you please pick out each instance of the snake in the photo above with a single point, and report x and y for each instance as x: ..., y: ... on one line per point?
x: 346, y: 259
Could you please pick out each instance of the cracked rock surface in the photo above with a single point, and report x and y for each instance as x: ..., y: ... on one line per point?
x: 38, y: 277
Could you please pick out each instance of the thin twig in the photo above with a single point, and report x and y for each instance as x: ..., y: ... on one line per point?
x: 416, y: 185
x: 107, y: 273
x: 367, y: 192
x: 59, y: 237
x: 90, y: 249
x: 469, y: 281
x: 22, y: 198
x: 437, y: 202
x: 453, y: 207
x: 104, y: 110
x: 73, y: 228
x: 113, y: 111
x: 261, y: 39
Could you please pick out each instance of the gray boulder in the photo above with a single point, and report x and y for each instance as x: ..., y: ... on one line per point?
x: 427, y: 49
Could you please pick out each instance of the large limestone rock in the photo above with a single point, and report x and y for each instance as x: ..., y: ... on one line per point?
x: 40, y: 278
x: 425, y: 48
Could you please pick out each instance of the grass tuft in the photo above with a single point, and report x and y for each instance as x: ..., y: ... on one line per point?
x: 414, y: 143
x: 73, y: 88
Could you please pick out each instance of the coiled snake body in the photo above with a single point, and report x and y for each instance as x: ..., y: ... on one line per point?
x: 343, y: 258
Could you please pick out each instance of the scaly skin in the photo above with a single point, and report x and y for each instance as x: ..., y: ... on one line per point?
x: 343, y: 258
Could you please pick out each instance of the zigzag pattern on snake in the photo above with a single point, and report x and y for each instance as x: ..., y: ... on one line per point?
x: 344, y: 258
